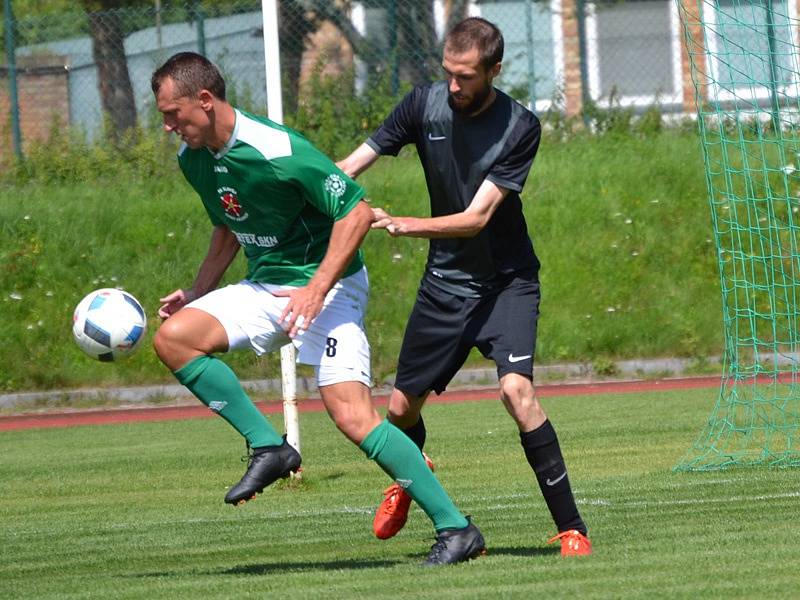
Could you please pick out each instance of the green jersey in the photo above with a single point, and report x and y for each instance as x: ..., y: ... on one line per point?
x: 277, y: 193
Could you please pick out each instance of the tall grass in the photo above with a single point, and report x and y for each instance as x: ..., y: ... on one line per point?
x: 623, y: 229
x: 136, y: 511
x: 621, y: 225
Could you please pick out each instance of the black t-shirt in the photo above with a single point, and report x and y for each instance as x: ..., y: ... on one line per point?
x: 458, y: 153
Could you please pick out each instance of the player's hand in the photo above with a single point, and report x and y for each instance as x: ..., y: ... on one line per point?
x: 383, y: 220
x: 172, y: 303
x: 305, y: 303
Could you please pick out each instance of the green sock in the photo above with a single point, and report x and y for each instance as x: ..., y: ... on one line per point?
x: 213, y: 382
x: 402, y: 460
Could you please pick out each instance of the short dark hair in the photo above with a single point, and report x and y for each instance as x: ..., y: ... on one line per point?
x: 191, y: 73
x: 475, y: 32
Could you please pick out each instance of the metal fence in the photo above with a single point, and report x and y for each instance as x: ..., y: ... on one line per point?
x: 83, y: 69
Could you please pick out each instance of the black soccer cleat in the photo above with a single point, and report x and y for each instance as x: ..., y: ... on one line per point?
x: 456, y: 545
x: 264, y: 466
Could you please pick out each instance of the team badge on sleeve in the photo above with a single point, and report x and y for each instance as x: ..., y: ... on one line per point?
x: 335, y: 185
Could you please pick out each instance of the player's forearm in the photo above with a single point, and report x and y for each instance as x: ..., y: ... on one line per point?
x: 451, y: 226
x: 458, y: 225
x: 468, y: 223
x: 359, y: 161
x: 221, y: 252
x: 346, y: 237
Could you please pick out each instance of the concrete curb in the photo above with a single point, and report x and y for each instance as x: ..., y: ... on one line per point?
x: 306, y: 386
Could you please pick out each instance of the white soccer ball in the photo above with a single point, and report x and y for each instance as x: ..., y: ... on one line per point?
x: 109, y: 324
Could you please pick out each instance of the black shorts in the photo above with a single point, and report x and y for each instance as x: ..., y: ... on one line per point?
x: 443, y: 328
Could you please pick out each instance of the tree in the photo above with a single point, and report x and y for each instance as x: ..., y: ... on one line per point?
x: 108, y: 50
x: 408, y: 45
x: 410, y: 34
x: 417, y: 49
x: 293, y: 19
x: 456, y: 10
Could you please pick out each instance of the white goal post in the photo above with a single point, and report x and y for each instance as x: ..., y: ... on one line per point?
x: 272, y: 61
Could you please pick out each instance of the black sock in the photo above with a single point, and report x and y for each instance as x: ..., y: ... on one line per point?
x: 417, y: 433
x: 544, y: 455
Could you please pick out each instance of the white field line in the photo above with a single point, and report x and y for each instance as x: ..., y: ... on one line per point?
x: 688, y: 501
x: 497, y: 503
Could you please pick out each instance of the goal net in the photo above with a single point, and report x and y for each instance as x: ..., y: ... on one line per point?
x: 745, y: 67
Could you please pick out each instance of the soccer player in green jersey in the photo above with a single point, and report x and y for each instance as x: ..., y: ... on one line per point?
x: 300, y: 222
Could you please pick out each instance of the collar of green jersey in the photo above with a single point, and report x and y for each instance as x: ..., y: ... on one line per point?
x: 231, y: 140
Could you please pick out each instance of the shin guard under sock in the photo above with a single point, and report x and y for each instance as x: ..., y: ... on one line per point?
x: 544, y: 456
x: 213, y: 382
x: 402, y: 461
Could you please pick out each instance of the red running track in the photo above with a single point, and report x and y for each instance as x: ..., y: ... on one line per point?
x: 132, y: 415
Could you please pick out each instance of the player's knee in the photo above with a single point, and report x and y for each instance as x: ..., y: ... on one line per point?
x: 402, y: 417
x: 520, y: 401
x: 167, y: 341
x: 516, y: 390
x: 404, y: 410
x: 160, y: 345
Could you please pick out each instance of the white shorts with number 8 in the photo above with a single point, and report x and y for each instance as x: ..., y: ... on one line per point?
x: 335, y: 342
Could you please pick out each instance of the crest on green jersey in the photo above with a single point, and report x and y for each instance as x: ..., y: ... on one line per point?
x: 335, y: 185
x: 230, y: 204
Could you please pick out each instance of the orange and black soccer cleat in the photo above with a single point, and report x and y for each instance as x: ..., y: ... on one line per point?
x: 392, y: 514
x: 573, y: 543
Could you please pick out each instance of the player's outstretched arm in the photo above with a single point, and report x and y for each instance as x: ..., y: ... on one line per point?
x: 305, y: 303
x: 361, y: 159
x: 221, y: 251
x: 468, y: 223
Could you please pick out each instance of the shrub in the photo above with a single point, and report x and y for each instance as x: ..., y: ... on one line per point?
x: 335, y: 119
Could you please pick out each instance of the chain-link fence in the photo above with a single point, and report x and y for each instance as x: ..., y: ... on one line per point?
x: 85, y: 69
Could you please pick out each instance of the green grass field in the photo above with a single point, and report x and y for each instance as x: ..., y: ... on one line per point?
x: 136, y: 511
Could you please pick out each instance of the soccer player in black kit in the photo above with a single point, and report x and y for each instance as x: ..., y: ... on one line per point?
x: 481, y: 286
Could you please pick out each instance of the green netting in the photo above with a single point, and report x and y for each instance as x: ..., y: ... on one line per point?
x: 745, y: 68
